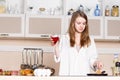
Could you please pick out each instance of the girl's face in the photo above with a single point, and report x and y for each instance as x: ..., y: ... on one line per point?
x: 80, y: 24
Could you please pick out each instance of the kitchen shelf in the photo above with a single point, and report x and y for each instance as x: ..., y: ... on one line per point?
x: 33, y: 7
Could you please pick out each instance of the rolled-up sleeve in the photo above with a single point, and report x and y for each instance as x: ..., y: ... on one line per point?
x: 60, y: 45
x: 57, y: 59
x: 93, y: 54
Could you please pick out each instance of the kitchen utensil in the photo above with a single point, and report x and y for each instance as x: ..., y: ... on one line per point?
x: 40, y: 58
x: 35, y: 57
x: 30, y: 59
x: 92, y: 74
x: 103, y: 72
x: 23, y: 65
x: 27, y: 55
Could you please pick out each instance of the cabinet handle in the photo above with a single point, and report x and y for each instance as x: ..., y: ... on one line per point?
x: 4, y: 35
x: 44, y: 36
x: 119, y: 38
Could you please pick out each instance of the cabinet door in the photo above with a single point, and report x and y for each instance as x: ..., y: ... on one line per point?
x: 43, y: 26
x: 96, y: 27
x: 11, y: 25
x: 112, y: 28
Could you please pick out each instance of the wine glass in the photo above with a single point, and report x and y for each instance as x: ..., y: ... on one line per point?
x: 55, y: 38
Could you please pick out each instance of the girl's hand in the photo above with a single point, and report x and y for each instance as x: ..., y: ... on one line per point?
x: 98, y: 64
x: 54, y: 39
x: 52, y: 42
x: 98, y: 67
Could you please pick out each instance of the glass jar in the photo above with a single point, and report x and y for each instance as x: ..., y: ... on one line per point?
x: 107, y: 11
x: 115, y: 10
x: 2, y: 6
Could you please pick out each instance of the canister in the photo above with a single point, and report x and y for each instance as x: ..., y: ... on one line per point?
x: 2, y: 6
x: 107, y: 11
x: 115, y: 10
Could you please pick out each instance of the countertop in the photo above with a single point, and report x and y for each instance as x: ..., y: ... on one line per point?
x: 59, y: 78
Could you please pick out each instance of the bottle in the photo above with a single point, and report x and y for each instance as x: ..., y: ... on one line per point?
x: 117, y: 64
x: 115, y: 60
x: 2, y: 6
x: 97, y: 11
x: 70, y: 12
x: 81, y: 8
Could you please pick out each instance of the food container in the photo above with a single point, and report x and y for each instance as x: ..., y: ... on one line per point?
x: 15, y: 72
x: 115, y: 10
x: 2, y: 6
x: 107, y: 11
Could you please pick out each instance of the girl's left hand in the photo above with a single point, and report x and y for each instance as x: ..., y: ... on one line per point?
x: 98, y: 65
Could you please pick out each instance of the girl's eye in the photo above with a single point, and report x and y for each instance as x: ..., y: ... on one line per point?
x: 84, y: 23
x: 81, y: 23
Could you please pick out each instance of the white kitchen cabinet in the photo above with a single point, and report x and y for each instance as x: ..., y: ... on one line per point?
x: 11, y: 25
x: 55, y: 14
x: 43, y: 26
x: 95, y: 22
x: 95, y: 26
x: 96, y: 29
x: 100, y: 26
x: 112, y: 28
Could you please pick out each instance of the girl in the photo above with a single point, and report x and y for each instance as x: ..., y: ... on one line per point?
x: 76, y: 50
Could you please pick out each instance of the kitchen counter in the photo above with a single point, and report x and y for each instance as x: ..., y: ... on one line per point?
x: 58, y: 78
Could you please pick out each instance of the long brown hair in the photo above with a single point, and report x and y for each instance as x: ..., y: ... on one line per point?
x: 85, y: 39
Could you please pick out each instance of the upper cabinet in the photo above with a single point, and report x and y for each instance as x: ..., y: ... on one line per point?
x: 40, y: 18
x: 96, y: 27
x: 112, y: 28
x: 112, y: 19
x: 12, y: 18
x: 43, y: 26
x: 12, y: 25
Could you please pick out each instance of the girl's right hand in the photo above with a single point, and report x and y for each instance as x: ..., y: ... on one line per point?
x: 54, y: 39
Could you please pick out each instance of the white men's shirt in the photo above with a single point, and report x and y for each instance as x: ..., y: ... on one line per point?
x: 72, y: 62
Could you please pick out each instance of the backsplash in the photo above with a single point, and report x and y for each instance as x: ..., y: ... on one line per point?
x: 11, y: 57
